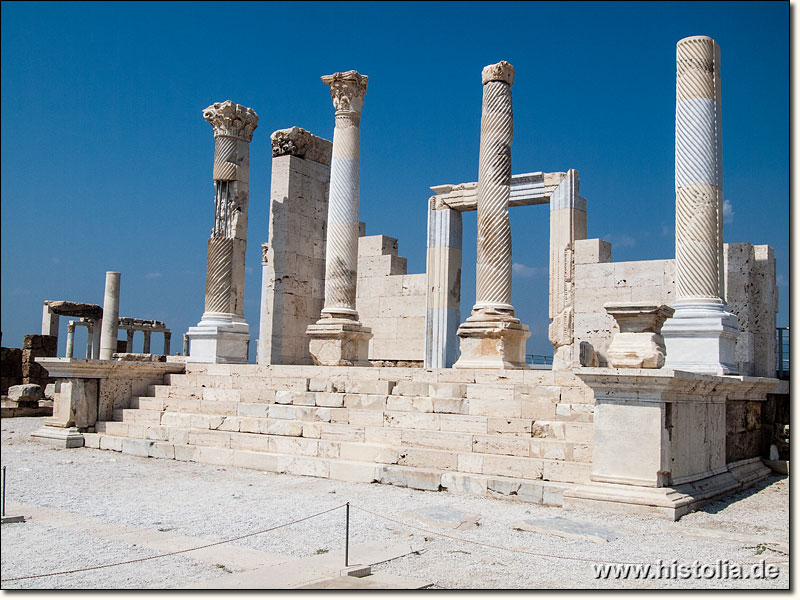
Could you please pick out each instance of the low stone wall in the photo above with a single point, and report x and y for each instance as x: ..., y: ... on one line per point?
x: 10, y: 367
x: 37, y: 346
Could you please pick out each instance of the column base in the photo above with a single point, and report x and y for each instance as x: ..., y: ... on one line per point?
x: 63, y: 437
x: 668, y: 502
x: 701, y: 338
x: 492, y: 342
x: 641, y: 350
x: 339, y: 343
x: 219, y: 339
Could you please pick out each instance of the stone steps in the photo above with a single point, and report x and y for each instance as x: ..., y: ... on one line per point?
x: 435, y: 479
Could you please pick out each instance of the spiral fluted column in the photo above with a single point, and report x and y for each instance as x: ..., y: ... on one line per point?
x: 338, y: 338
x: 492, y: 337
x: 222, y: 334
x: 702, y: 334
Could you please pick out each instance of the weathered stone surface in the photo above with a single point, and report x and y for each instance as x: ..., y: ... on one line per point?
x: 567, y: 528
x: 296, y: 141
x: 25, y: 393
x: 75, y: 309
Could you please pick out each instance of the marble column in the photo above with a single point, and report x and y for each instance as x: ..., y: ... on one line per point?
x: 701, y: 336
x: 492, y: 337
x: 339, y: 338
x: 222, y: 334
x: 108, y: 336
x: 89, y: 338
x: 70, y: 339
x: 167, y: 337
x: 443, y: 297
x: 146, y: 346
x: 129, y: 340
x: 97, y: 328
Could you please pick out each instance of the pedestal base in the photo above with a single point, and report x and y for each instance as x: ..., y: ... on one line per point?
x: 63, y: 437
x: 641, y: 350
x: 669, y: 502
x: 339, y: 343
x: 218, y: 340
x: 497, y: 343
x: 701, y: 338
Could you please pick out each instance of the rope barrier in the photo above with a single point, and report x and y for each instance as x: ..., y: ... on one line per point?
x: 540, y: 554
x: 135, y: 560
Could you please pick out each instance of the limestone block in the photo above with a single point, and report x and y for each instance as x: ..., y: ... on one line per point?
x: 249, y: 441
x: 592, y: 251
x: 509, y: 426
x: 28, y: 392
x: 310, y: 430
x: 161, y: 450
x: 490, y: 392
x: 328, y: 449
x: 187, y: 453
x: 255, y: 460
x: 411, y: 420
x: 538, y: 410
x: 293, y: 446
x: 376, y: 245
x: 372, y: 418
x: 136, y: 447
x: 213, y: 456
x: 108, y: 442
x: 250, y: 425
x: 591, y: 276
x: 159, y: 434
x: 492, y: 444
x: 365, y: 401
x: 457, y: 442
x: 448, y: 390
x: 178, y: 436
x: 450, y: 405
x: 409, y: 403
x: 229, y: 424
x: 495, y: 408
x: 550, y: 449
x: 220, y: 439
x: 432, y: 459
x: 381, y: 435
x: 566, y: 471
x: 410, y: 388
x: 513, y: 466
x: 277, y: 411
x: 470, y: 463
x: 464, y: 484
x: 375, y: 387
x: 463, y: 423
x: 311, y: 467
x: 253, y: 410
x: 368, y: 453
x: 344, y: 433
x: 347, y: 471
x: 381, y: 266
x: 408, y: 477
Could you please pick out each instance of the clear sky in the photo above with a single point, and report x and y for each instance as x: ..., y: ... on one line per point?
x: 106, y: 158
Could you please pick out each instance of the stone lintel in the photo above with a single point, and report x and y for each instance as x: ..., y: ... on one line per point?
x: 296, y: 141
x: 66, y: 308
x: 82, y: 368
x: 527, y: 189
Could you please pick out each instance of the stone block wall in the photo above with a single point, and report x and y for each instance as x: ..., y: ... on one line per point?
x: 391, y: 302
x: 750, y: 290
x: 10, y: 368
x: 752, y: 295
x: 35, y: 346
x: 743, y: 436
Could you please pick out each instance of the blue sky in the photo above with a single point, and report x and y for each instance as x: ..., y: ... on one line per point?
x: 106, y: 158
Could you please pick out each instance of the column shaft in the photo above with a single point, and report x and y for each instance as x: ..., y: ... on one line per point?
x: 108, y: 337
x: 89, y: 339
x: 493, y: 274
x: 146, y: 346
x: 167, y: 337
x: 698, y: 173
x: 129, y: 341
x: 70, y: 339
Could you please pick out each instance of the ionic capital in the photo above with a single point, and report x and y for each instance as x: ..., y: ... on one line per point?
x: 501, y: 71
x: 347, y: 90
x: 231, y: 120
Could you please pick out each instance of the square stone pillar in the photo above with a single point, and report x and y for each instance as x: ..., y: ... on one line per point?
x: 293, y: 262
x: 443, y: 274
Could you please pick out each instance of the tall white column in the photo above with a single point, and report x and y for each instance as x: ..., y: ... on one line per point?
x: 108, y: 337
x: 129, y: 340
x: 97, y: 329
x: 339, y: 338
x: 702, y: 334
x: 493, y: 337
x: 167, y: 337
x: 70, y: 339
x: 222, y: 334
x: 146, y: 345
x: 89, y: 338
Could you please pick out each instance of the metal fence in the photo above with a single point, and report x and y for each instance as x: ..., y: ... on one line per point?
x: 538, y: 359
x: 782, y: 367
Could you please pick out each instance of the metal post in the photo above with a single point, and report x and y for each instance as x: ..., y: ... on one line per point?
x: 4, y: 491
x: 346, y: 527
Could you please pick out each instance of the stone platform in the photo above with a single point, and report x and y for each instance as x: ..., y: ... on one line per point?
x: 526, y: 435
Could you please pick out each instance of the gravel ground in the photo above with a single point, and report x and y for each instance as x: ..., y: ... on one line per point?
x: 215, y: 503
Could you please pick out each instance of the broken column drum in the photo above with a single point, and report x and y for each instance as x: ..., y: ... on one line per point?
x: 493, y: 337
x: 222, y: 334
x: 339, y: 338
x: 702, y: 334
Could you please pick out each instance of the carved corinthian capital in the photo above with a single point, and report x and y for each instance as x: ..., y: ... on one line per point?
x: 232, y: 120
x: 347, y: 90
x: 296, y: 141
x: 501, y: 71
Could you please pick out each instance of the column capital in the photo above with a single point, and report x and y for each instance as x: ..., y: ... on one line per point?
x: 502, y: 71
x: 231, y: 120
x: 296, y: 141
x: 347, y: 90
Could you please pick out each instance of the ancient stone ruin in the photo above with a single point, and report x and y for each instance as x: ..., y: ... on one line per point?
x: 661, y: 372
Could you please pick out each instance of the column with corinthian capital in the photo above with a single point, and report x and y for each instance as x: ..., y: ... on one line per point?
x: 339, y: 338
x: 222, y: 334
x: 701, y: 336
x: 493, y: 338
